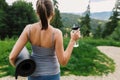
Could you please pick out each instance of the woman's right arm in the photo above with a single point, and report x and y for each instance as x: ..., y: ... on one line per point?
x: 64, y: 56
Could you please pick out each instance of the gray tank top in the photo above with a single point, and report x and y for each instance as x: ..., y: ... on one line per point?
x: 45, y: 59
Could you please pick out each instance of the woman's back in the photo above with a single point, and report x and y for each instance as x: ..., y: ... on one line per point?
x: 43, y: 52
x: 41, y: 38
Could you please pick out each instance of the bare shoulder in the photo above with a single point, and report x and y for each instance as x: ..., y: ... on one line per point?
x: 26, y: 28
x: 58, y: 32
x: 30, y: 26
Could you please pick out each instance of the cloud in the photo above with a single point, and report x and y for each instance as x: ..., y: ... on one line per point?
x: 80, y: 5
x: 104, y: 5
x: 72, y: 5
x: 97, y: 0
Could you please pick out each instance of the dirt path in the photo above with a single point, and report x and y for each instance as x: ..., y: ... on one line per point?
x: 112, y: 52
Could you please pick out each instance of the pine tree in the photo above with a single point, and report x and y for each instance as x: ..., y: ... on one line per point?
x: 56, y: 22
x: 98, y: 32
x: 113, y: 21
x: 85, y: 22
x: 116, y: 33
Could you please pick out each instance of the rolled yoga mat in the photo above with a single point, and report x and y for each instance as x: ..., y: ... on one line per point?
x: 25, y: 66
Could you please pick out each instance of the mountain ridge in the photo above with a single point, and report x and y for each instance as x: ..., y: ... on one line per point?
x: 98, y: 15
x: 101, y: 15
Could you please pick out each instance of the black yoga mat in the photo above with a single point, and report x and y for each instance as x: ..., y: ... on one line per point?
x: 25, y: 66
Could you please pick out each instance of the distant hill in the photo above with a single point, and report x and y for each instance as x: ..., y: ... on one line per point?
x: 98, y: 15
x: 101, y: 15
x: 69, y: 19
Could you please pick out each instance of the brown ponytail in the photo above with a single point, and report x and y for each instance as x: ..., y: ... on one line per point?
x: 44, y: 9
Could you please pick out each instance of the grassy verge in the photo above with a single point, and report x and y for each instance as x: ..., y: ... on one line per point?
x: 88, y: 60
x: 85, y: 60
x: 5, y: 48
x: 100, y: 42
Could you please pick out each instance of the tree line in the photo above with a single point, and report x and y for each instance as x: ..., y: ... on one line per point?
x: 110, y: 29
x: 13, y: 18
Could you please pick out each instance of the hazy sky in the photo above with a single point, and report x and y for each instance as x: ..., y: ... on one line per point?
x: 78, y: 6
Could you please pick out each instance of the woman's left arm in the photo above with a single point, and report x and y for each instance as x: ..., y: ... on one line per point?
x: 21, y: 42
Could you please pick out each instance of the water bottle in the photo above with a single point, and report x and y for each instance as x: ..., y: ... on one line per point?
x: 74, y: 28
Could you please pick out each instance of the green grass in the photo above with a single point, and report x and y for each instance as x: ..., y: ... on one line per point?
x: 85, y: 60
x: 100, y: 42
x: 5, y: 48
x: 88, y: 60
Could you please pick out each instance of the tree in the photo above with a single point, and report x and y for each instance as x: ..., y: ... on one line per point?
x: 3, y: 19
x: 3, y: 5
x: 3, y: 25
x: 21, y: 13
x: 85, y: 22
x: 116, y: 33
x: 111, y: 25
x: 85, y: 25
x: 98, y: 31
x: 113, y: 20
x: 56, y: 22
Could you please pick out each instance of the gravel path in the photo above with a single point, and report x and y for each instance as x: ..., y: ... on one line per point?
x: 112, y: 52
